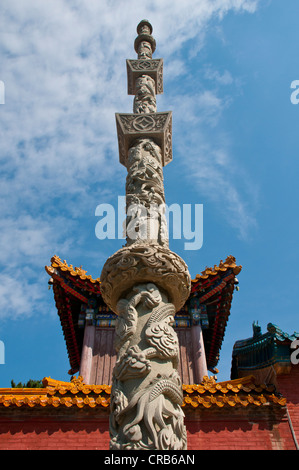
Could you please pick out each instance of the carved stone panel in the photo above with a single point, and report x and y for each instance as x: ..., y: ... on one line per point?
x: 157, y: 126
x: 146, y: 395
x: 145, y: 200
x: 151, y: 67
x: 145, y: 98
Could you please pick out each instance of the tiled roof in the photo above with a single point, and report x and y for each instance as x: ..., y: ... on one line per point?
x: 71, y: 287
x: 56, y: 393
x: 243, y: 392
x: 214, y: 289
x: 229, y: 263
x: 263, y: 350
x: 76, y: 272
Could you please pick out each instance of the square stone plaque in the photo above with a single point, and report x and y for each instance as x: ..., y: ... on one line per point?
x: 157, y: 126
x: 151, y: 67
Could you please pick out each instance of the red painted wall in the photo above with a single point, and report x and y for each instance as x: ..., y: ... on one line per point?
x: 250, y: 429
x: 48, y: 434
x: 204, y: 433
x: 239, y: 435
x: 288, y: 385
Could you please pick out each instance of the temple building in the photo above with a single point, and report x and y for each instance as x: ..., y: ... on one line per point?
x: 88, y: 324
x: 257, y: 408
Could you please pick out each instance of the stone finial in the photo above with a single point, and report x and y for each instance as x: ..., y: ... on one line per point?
x: 144, y: 27
x: 145, y: 79
x: 145, y: 44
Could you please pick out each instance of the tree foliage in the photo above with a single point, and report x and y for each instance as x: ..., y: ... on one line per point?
x: 30, y: 384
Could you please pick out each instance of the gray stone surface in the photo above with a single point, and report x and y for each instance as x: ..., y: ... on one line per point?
x: 144, y: 282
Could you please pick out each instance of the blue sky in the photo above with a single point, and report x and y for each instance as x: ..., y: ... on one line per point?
x: 228, y: 69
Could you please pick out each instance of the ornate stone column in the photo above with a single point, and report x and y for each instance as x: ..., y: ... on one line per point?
x: 145, y: 283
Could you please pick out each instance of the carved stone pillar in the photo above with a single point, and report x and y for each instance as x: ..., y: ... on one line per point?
x: 144, y: 282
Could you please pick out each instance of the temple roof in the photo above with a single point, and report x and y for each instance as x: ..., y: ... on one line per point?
x: 57, y: 393
x: 72, y: 288
x: 241, y: 392
x: 224, y: 266
x: 212, y: 289
x: 77, y: 272
x: 263, y: 350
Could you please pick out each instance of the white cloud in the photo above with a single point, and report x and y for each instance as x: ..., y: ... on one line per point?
x: 20, y: 297
x: 63, y: 65
x: 25, y: 238
x: 224, y: 78
x: 210, y: 166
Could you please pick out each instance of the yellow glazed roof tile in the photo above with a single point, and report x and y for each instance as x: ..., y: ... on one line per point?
x: 242, y: 392
x: 57, y: 393
x: 56, y: 262
x: 229, y: 263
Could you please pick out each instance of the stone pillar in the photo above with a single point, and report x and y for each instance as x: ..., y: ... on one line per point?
x: 145, y: 283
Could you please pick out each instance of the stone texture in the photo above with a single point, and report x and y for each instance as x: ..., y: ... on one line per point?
x: 147, y: 390
x: 145, y: 283
x: 157, y: 126
x: 152, y: 68
x: 144, y: 263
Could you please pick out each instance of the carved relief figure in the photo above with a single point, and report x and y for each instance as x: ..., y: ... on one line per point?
x: 148, y: 417
x: 144, y: 50
x: 145, y: 98
x: 145, y: 192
